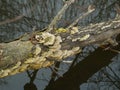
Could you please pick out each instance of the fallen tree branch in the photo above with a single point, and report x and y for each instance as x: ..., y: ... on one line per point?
x: 42, y: 49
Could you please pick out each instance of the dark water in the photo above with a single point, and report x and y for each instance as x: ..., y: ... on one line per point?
x: 39, y: 13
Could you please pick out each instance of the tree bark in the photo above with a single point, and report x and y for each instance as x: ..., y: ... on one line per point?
x: 42, y: 49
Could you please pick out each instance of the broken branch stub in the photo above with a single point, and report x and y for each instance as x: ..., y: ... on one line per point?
x: 59, y: 15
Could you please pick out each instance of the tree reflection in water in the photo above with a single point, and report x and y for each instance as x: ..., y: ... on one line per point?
x: 39, y: 13
x: 31, y: 85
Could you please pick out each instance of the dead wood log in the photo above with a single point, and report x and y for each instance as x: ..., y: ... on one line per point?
x: 42, y: 49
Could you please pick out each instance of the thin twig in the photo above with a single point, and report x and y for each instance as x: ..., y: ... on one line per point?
x: 90, y: 9
x: 59, y: 15
x: 113, y: 50
x: 17, y: 17
x: 110, y: 78
x: 68, y: 61
x: 75, y: 59
x: 12, y: 20
x: 114, y: 73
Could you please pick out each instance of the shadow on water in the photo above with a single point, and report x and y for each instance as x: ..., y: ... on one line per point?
x: 83, y: 70
x: 21, y: 16
x: 31, y: 85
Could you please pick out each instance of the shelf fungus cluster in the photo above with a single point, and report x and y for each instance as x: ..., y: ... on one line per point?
x: 44, y: 53
x: 42, y: 49
x: 51, y: 49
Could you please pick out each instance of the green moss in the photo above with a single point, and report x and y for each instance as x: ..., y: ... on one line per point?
x: 61, y: 30
x: 30, y: 55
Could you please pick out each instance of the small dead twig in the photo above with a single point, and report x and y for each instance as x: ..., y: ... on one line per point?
x: 12, y: 20
x: 59, y: 15
x: 113, y: 50
x: 68, y: 62
x: 16, y: 18
x: 90, y: 9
